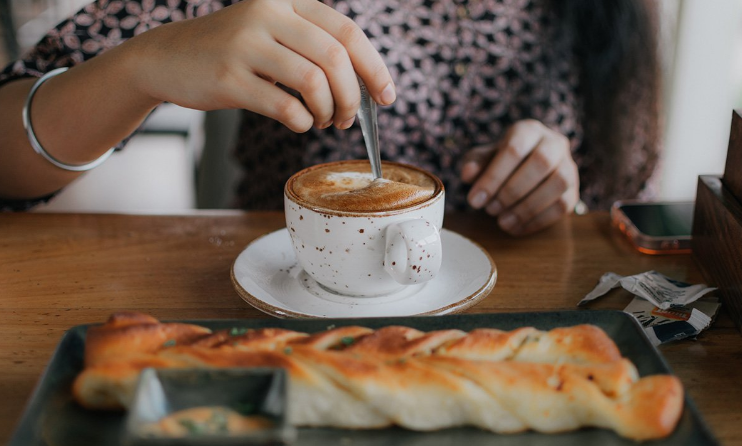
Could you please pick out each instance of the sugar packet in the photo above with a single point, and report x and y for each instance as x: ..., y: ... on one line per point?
x: 668, y: 309
x: 675, y: 323
x: 660, y: 290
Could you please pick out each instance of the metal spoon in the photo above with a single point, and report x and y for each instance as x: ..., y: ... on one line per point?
x: 370, y: 128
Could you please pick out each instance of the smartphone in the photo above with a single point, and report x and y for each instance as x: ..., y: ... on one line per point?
x: 655, y: 227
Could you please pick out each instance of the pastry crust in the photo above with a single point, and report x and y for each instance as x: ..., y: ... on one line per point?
x: 356, y: 377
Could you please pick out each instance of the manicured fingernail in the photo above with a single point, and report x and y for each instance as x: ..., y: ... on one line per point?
x: 388, y: 95
x: 494, y: 208
x: 507, y: 221
x: 478, y: 199
x: 346, y: 124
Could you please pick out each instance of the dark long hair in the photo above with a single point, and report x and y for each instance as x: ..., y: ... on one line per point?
x: 615, y: 44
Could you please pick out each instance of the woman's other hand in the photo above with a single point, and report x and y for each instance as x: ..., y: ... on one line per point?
x: 234, y: 57
x: 528, y: 181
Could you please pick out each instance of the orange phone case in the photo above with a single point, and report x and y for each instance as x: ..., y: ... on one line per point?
x: 647, y: 244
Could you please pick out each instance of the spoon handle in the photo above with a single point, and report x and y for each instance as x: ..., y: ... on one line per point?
x: 370, y: 128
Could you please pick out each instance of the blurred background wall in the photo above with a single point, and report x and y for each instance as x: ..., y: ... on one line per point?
x: 181, y: 159
x: 702, y: 48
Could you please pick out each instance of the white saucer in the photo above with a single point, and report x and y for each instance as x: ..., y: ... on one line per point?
x: 266, y: 275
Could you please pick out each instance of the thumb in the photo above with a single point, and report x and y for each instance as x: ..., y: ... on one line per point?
x: 474, y: 161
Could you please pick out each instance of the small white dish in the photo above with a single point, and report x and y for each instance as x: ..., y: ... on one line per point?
x: 268, y: 277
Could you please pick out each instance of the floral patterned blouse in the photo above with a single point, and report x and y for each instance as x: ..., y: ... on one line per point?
x: 464, y: 71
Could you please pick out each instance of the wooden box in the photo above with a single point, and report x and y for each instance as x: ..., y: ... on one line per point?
x: 717, y: 242
x: 733, y: 168
x: 717, y: 226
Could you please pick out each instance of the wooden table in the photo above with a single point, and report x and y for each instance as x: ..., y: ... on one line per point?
x: 61, y: 270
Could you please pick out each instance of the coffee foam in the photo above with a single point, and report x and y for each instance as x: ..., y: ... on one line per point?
x: 351, y: 187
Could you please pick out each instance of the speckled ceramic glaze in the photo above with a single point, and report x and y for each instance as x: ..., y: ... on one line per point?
x: 368, y: 253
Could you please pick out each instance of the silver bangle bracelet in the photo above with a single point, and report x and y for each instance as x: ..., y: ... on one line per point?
x: 35, y: 142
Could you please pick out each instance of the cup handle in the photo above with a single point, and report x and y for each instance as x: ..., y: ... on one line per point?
x: 413, y: 251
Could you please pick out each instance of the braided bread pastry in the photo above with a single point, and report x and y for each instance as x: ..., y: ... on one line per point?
x: 355, y: 377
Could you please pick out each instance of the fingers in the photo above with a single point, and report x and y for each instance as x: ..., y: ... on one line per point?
x: 530, y: 182
x: 267, y: 99
x: 366, y: 60
x: 333, y: 67
x: 517, y: 144
x: 560, y: 188
x: 303, y: 44
x: 538, y: 165
x: 474, y: 160
x: 548, y: 217
x: 280, y: 64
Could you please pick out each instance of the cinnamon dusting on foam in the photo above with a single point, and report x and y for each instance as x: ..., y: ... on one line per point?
x: 351, y: 187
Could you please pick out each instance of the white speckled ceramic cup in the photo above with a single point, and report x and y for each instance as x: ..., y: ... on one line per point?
x: 366, y: 254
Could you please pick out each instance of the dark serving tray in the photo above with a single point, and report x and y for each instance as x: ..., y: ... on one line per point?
x: 53, y: 418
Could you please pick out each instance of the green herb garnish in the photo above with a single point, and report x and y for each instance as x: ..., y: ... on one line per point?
x: 347, y: 340
x: 192, y: 427
x: 288, y: 350
x: 219, y: 421
x: 235, y: 331
x: 169, y: 343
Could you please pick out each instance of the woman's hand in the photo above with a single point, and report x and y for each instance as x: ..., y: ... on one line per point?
x: 234, y: 57
x: 529, y: 180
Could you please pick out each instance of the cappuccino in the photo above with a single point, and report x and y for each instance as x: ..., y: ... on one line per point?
x: 350, y: 186
x: 357, y: 236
